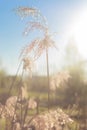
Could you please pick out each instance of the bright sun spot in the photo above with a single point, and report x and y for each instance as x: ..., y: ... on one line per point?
x: 78, y: 29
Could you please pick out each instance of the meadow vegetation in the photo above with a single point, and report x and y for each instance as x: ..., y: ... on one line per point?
x: 71, y: 97
x: 38, y: 102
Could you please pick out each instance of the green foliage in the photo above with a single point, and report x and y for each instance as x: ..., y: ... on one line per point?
x: 37, y: 84
x: 2, y: 77
x: 73, y: 126
x: 2, y: 124
x: 74, y: 92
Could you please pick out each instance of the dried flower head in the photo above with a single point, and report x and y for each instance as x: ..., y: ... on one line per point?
x: 28, y: 64
x: 7, y: 111
x: 53, y: 118
x: 26, y: 11
x: 59, y: 79
x: 33, y: 25
x: 38, y: 46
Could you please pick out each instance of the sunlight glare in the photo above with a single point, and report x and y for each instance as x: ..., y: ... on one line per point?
x: 78, y: 29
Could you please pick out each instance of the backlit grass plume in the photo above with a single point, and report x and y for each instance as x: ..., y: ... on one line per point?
x: 33, y: 25
x: 38, y: 45
x: 27, y: 11
x: 30, y: 12
x: 59, y: 79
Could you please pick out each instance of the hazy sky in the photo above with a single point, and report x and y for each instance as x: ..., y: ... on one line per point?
x: 60, y: 16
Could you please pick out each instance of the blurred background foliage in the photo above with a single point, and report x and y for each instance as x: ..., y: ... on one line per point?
x: 72, y: 96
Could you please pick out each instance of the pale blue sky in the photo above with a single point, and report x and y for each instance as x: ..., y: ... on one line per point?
x: 57, y: 12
